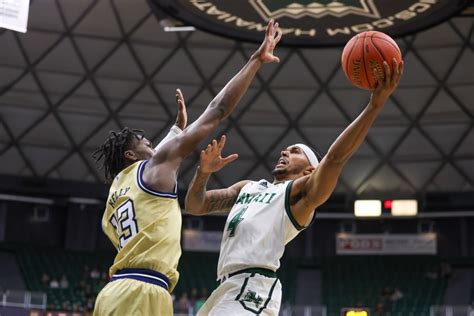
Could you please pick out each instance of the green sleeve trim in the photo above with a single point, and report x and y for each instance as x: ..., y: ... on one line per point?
x: 288, y: 208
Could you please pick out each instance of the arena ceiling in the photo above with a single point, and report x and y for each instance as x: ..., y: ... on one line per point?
x: 86, y: 67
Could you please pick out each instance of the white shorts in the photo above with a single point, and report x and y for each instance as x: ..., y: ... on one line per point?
x: 244, y: 294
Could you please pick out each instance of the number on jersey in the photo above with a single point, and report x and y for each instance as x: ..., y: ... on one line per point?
x: 235, y: 221
x: 124, y: 223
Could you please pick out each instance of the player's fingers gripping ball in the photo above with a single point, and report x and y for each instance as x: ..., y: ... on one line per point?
x: 364, y: 55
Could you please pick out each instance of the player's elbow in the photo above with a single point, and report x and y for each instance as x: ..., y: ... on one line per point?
x: 334, y: 158
x: 218, y: 109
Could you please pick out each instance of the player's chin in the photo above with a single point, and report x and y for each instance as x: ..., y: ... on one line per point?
x: 278, y: 171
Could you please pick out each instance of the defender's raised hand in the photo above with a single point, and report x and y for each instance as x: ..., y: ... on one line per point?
x: 211, y: 159
x: 182, y: 117
x: 272, y: 37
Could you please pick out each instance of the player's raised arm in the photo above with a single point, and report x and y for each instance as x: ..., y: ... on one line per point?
x: 198, y: 200
x: 179, y: 125
x: 311, y: 191
x: 223, y: 104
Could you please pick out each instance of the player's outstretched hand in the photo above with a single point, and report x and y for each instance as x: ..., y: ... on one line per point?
x: 384, y: 87
x: 182, y: 117
x: 211, y: 159
x: 272, y: 37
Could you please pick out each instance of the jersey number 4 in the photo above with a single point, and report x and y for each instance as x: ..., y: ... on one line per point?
x: 235, y: 221
x: 124, y: 223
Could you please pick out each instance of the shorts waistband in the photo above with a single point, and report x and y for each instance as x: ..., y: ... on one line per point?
x: 262, y: 271
x: 145, y: 275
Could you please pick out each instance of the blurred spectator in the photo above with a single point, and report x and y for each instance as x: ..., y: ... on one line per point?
x: 86, y: 272
x: 64, y: 283
x: 90, y: 304
x: 445, y: 270
x: 88, y: 291
x: 380, y: 308
x: 204, y: 293
x: 82, y: 285
x: 201, y: 300
x: 396, y: 295
x: 432, y: 274
x: 386, y: 293
x: 183, y: 303
x: 54, y: 284
x: 95, y: 274
x: 66, y: 306
x: 75, y: 307
x: 45, y: 279
x: 194, y: 295
x: 104, y: 276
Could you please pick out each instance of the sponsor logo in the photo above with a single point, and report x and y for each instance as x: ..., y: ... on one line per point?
x: 310, y: 23
x: 269, y: 9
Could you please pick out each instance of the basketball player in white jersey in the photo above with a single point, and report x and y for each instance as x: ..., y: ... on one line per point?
x: 264, y: 216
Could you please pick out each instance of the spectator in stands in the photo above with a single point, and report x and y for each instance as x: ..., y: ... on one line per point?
x: 86, y: 272
x: 95, y: 274
x: 183, y: 304
x: 66, y: 306
x: 386, y: 293
x: 445, y: 270
x: 104, y: 276
x: 194, y: 295
x: 45, y: 279
x: 396, y: 295
x: 201, y: 300
x: 82, y: 285
x: 432, y: 274
x: 204, y: 292
x: 90, y: 304
x: 380, y: 308
x: 64, y: 283
x: 75, y: 308
x: 54, y: 284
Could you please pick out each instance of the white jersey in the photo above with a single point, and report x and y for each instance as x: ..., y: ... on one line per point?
x: 257, y: 229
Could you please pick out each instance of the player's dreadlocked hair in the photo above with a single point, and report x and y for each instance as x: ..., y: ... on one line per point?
x: 111, y: 151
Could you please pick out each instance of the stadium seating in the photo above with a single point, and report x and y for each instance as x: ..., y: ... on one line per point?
x: 347, y: 281
x: 74, y: 265
x: 197, y: 271
x: 352, y: 281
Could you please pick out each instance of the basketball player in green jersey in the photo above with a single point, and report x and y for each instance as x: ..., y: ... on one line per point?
x: 264, y: 216
x: 142, y: 216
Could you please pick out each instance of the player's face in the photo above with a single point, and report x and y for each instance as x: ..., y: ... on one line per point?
x: 142, y: 150
x: 292, y: 161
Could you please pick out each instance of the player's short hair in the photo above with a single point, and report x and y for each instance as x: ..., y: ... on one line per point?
x: 112, y: 150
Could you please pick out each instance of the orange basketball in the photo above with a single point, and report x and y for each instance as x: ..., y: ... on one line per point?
x: 367, y: 51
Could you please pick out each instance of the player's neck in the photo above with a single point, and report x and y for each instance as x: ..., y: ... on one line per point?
x: 284, y: 178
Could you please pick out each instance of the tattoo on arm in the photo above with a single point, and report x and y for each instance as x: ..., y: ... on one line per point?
x: 221, y: 203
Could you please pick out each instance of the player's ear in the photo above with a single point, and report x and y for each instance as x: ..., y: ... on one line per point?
x: 309, y: 170
x: 130, y: 155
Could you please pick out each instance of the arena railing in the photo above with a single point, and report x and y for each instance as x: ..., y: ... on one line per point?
x: 465, y: 310
x: 25, y: 299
